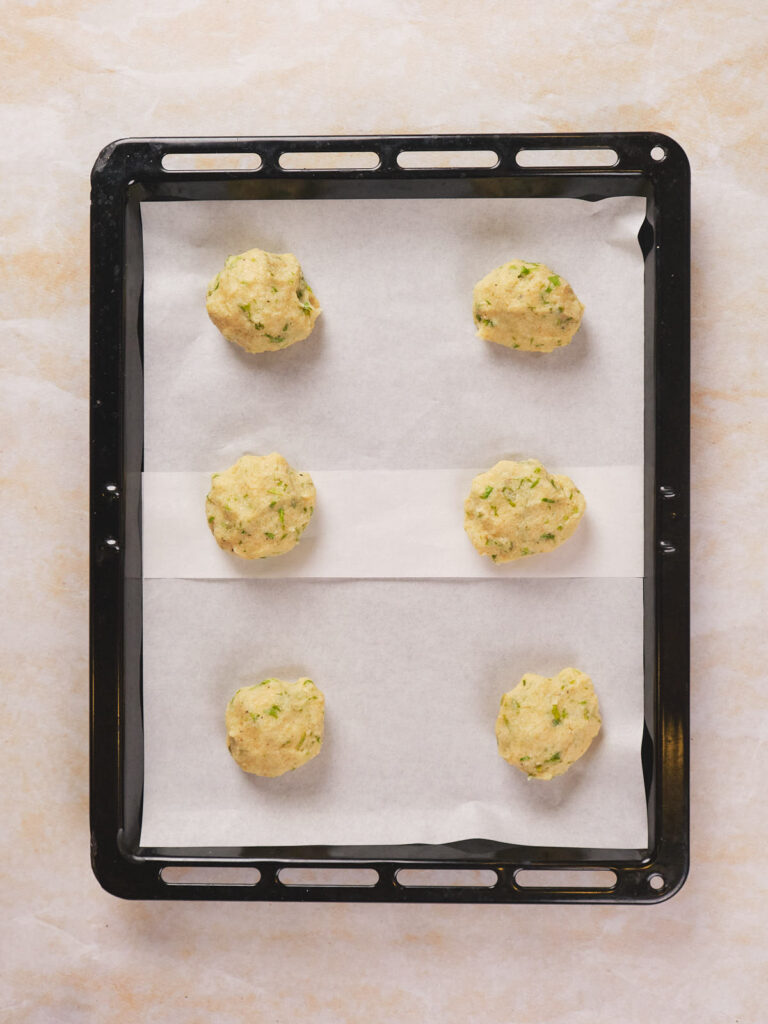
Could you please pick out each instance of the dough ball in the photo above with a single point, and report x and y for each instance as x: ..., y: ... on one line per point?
x: 260, y: 506
x: 544, y: 725
x: 261, y: 301
x: 527, y: 306
x: 274, y: 727
x: 519, y: 508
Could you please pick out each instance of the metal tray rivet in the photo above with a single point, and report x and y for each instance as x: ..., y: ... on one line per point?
x: 658, y: 153
x: 667, y: 547
x: 111, y: 491
x: 667, y: 492
x: 111, y: 543
x: 656, y: 882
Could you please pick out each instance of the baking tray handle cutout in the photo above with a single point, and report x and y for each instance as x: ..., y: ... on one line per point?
x: 200, y: 874
x: 567, y: 158
x: 469, y: 878
x: 571, y: 878
x: 212, y: 162
x: 328, y: 876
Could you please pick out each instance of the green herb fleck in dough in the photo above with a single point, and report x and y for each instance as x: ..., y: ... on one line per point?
x: 275, y: 710
x: 558, y: 714
x: 487, y: 492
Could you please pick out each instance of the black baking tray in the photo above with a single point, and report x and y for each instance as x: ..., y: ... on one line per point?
x: 131, y: 171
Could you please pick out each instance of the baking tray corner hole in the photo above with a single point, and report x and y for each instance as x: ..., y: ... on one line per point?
x: 349, y: 160
x: 465, y: 878
x: 657, y: 882
x: 658, y: 153
x: 308, y: 877
x: 211, y: 162
x: 567, y: 158
x: 571, y: 878
x: 428, y: 159
x: 199, y: 874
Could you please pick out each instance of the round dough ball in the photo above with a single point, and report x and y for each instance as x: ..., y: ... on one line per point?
x: 261, y: 301
x: 260, y: 506
x: 527, y: 306
x: 519, y: 508
x: 544, y: 725
x: 274, y: 727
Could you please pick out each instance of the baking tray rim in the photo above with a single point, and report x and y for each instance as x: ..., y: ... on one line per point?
x: 130, y: 171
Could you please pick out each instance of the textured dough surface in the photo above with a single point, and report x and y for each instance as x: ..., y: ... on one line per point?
x: 527, y: 306
x: 544, y: 725
x: 274, y: 726
x: 519, y: 508
x: 260, y: 506
x: 261, y: 301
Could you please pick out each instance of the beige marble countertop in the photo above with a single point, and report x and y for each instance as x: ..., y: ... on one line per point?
x: 79, y: 73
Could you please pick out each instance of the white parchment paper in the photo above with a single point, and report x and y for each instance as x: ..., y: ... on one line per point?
x: 393, y: 377
x: 412, y: 674
x: 392, y: 524
x: 392, y: 383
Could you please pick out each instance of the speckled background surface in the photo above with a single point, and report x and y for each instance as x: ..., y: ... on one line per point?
x: 80, y: 73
